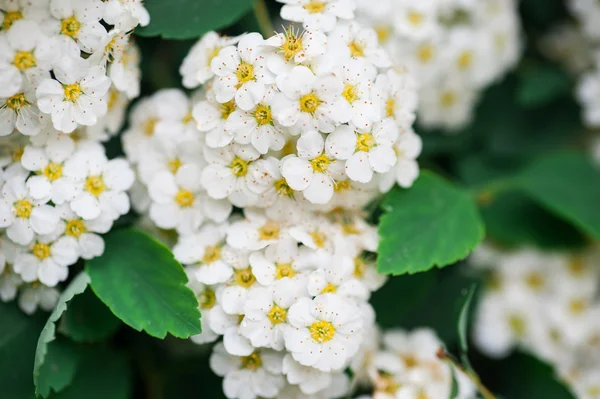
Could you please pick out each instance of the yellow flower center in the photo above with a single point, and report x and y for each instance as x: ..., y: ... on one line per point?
x: 16, y: 102
x: 23, y: 208
x: 320, y: 163
x: 10, y: 18
x: 292, y: 45
x: 364, y: 142
x: 329, y: 289
x: 113, y: 96
x: 384, y: 32
x: 535, y: 281
x: 269, y: 231
x: 282, y: 188
x: 341, y: 186
x: 425, y: 53
x: 517, y: 325
x: 18, y: 154
x: 227, y: 109
x: 252, y: 362
x: 211, y: 54
x: 24, y: 60
x: 75, y: 228
x: 149, y: 126
x: 263, y: 115
x: 72, y: 92
x: 415, y: 17
x: 448, y: 99
x: 244, y: 73
x: 95, y: 185
x: 41, y: 251
x: 386, y: 384
x: 277, y: 314
x: 465, y: 60
x: 576, y: 265
x: 356, y: 49
x: 309, y: 103
x: 185, y: 198
x: 70, y: 26
x: 594, y: 390
x: 207, y: 299
x: 318, y: 238
x: 53, y: 171
x: 390, y: 108
x: 284, y: 270
x: 315, y: 7
x: 211, y: 254
x: 174, y: 164
x: 360, y: 266
x: 239, y: 167
x: 244, y: 278
x: 350, y: 93
x: 577, y: 306
x: 322, y: 331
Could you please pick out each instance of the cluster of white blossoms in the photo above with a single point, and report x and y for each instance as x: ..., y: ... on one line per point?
x: 67, y: 72
x: 399, y: 364
x: 454, y: 48
x: 300, y: 130
x: 545, y: 304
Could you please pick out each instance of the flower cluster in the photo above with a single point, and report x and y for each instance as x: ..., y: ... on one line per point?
x: 545, y: 304
x: 67, y: 72
x: 402, y: 364
x: 300, y: 131
x: 455, y: 48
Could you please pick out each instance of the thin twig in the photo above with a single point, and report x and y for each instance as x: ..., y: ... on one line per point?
x: 448, y: 358
x: 262, y: 16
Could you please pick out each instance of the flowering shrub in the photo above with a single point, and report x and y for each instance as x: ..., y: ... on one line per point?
x: 273, y: 199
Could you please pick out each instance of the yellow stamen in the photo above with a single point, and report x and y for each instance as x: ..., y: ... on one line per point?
x: 320, y: 163
x: 239, y: 167
x: 322, y: 331
x: 75, y: 228
x: 53, y: 171
x: 277, y: 314
x: 269, y: 231
x: 244, y: 278
x: 364, y: 142
x: 185, y: 198
x: 284, y: 270
x: 72, y: 92
x: 207, y: 299
x: 315, y: 7
x: 263, y: 115
x: 309, y: 103
x: 41, y: 251
x: 211, y: 254
x: 24, y: 60
x: 252, y: 362
x: 23, y: 208
x: 95, y: 185
x: 70, y: 26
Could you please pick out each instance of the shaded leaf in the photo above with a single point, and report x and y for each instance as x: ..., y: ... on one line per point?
x: 56, y: 361
x: 431, y: 224
x: 186, y: 19
x: 463, y: 326
x: 542, y: 84
x: 151, y: 294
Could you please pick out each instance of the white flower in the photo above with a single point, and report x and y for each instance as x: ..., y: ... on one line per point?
x: 278, y: 261
x: 336, y: 275
x: 396, y: 91
x: 227, y: 175
x: 317, y: 14
x: 207, y: 300
x: 309, y: 379
x: 22, y: 215
x: 407, y: 148
x: 104, y: 187
x: 314, y: 171
x: 358, y: 77
x: 324, y: 332
x: 89, y: 243
x: 56, y: 177
x: 20, y: 112
x: 80, y: 21
x: 238, y: 287
x: 265, y: 312
x: 205, y: 249
x: 309, y: 102
x: 257, y: 126
x: 248, y: 377
x: 111, y: 123
x: 37, y: 295
x: 126, y: 14
x: 373, y: 149
x: 448, y: 104
x: 241, y: 72
x: 47, y: 259
x: 196, y: 67
x: 417, y: 20
x: 19, y: 57
x: 75, y: 101
x: 294, y: 47
x: 125, y: 71
x: 211, y: 117
x: 588, y: 90
x: 352, y: 41
x: 254, y: 232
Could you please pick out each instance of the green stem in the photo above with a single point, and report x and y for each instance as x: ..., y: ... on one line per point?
x: 487, y: 192
x: 452, y: 362
x: 264, y: 20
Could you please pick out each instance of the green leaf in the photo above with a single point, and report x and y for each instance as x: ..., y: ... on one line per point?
x: 56, y: 361
x: 102, y: 374
x: 542, y: 84
x: 566, y: 184
x: 143, y: 285
x: 88, y: 319
x: 463, y: 326
x: 186, y: 19
x: 19, y: 334
x: 454, y: 388
x: 431, y: 224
